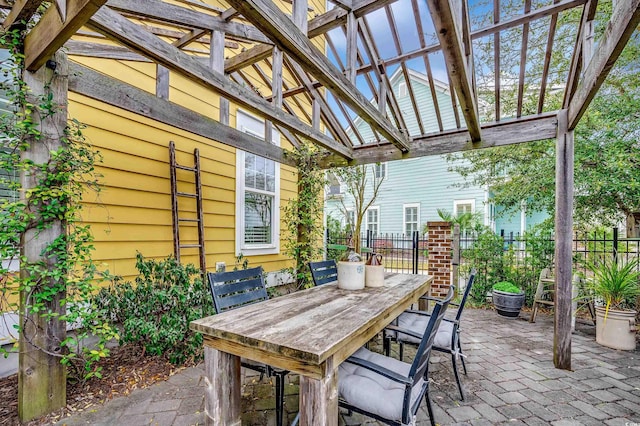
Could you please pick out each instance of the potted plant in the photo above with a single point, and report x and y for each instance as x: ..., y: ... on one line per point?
x: 615, y: 285
x: 507, y: 299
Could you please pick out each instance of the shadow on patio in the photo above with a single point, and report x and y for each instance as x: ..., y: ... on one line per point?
x: 511, y: 380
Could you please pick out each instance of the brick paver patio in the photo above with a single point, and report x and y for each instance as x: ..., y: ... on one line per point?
x: 511, y: 380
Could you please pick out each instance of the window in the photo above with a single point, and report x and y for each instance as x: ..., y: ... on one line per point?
x: 380, y: 170
x: 257, y: 195
x: 350, y: 220
x: 402, y: 90
x: 411, y: 218
x: 373, y: 219
x: 464, y: 206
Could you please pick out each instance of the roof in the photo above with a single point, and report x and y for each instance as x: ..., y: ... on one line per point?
x: 271, y: 59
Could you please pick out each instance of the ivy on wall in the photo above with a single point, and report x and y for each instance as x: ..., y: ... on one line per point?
x: 53, y: 198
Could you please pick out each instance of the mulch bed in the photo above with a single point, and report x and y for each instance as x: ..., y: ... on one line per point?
x: 126, y: 369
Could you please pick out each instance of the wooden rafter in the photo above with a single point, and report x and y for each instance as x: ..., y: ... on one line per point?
x: 282, y: 31
x: 51, y: 32
x: 379, y: 71
x: 447, y: 27
x: 427, y: 64
x: 575, y: 68
x: 624, y: 20
x: 506, y: 132
x: 21, y: 11
x: 131, y: 35
x: 319, y: 25
x: 164, y: 12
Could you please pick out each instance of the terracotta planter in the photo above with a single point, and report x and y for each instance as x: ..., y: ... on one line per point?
x: 617, y: 330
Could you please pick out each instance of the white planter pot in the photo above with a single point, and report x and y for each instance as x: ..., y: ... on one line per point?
x: 351, y: 275
x: 374, y: 275
x: 617, y: 330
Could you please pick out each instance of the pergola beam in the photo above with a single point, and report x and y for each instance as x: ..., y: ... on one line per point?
x: 21, y: 11
x: 52, y: 31
x: 450, y: 35
x: 505, y: 132
x: 317, y: 26
x: 624, y: 20
x: 94, y: 85
x: 165, y: 12
x: 282, y: 31
x: 131, y: 35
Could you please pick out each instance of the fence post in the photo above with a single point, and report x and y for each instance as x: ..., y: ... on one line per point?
x: 615, y: 244
x: 439, y: 248
x: 455, y: 255
x: 414, y: 254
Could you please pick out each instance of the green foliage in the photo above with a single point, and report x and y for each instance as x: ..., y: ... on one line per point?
x: 334, y: 228
x: 64, y: 274
x: 303, y: 215
x: 486, y: 255
x: 156, y: 311
x: 507, y: 287
x: 467, y: 221
x: 616, y: 283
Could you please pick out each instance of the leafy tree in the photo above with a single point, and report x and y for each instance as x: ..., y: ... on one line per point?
x: 607, y: 147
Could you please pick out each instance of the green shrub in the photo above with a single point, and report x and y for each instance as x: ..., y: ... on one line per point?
x: 507, y: 287
x: 157, y: 310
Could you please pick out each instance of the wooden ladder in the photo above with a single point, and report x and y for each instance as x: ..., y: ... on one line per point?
x: 175, y: 209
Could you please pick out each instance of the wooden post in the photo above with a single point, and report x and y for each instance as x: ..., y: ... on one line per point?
x: 319, y: 398
x: 222, y: 395
x: 41, y: 376
x: 563, y: 254
x: 216, y: 62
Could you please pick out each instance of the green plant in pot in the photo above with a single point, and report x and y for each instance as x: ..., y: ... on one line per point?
x: 508, y: 299
x: 615, y: 285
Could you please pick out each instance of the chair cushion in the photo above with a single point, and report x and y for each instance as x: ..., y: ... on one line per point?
x: 418, y: 323
x: 372, y: 392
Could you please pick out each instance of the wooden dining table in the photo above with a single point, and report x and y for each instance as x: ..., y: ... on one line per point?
x: 309, y: 332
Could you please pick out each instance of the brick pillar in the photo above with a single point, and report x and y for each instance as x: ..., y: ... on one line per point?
x: 439, y: 247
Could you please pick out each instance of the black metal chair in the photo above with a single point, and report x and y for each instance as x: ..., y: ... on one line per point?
x: 324, y: 272
x: 234, y: 289
x: 447, y: 339
x: 387, y: 389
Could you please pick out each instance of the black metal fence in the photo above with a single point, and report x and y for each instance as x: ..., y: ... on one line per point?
x: 400, y: 252
x: 513, y: 257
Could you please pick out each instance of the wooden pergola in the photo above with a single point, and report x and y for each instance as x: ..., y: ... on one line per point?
x: 297, y: 59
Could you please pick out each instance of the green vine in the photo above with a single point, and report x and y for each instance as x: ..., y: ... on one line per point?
x: 64, y: 275
x: 303, y: 215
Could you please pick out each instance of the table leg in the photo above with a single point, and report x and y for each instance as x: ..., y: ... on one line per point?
x: 222, y: 398
x: 319, y: 398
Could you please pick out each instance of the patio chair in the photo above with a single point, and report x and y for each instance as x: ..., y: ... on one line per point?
x: 324, y: 272
x: 234, y: 289
x: 387, y: 389
x: 447, y: 339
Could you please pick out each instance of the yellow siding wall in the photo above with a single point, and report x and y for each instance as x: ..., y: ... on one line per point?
x: 133, y: 211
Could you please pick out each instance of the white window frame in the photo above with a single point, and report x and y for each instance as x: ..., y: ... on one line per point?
x: 382, y: 167
x: 377, y: 209
x: 457, y: 203
x: 403, y: 90
x: 255, y: 126
x: 350, y: 218
x: 404, y: 216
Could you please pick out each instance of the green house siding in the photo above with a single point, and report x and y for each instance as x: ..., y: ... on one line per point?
x: 425, y: 182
